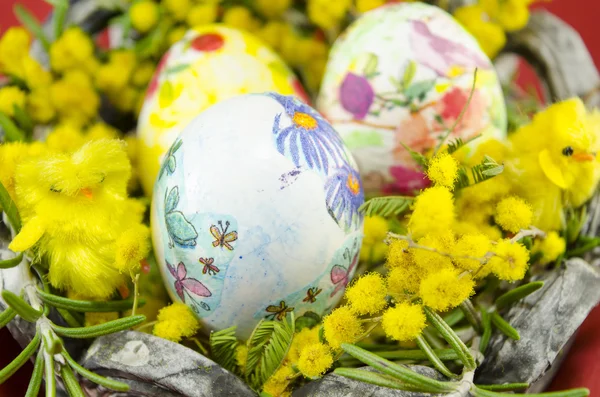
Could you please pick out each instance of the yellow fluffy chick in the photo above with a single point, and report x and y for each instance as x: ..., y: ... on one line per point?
x: 553, y: 162
x: 76, y: 212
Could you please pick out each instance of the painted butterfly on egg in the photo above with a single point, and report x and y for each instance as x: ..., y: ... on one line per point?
x: 222, y: 238
x: 187, y: 286
x: 180, y: 230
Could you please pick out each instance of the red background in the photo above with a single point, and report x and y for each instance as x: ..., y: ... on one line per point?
x: 582, y: 366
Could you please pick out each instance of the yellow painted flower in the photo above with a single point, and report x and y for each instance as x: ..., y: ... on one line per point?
x: 404, y: 322
x: 10, y: 97
x: 510, y: 260
x: 178, y: 9
x: 301, y: 339
x: 144, y: 15
x: 14, y: 46
x: 272, y: 8
x: 367, y: 5
x: 443, y: 170
x: 367, y: 294
x: 551, y: 247
x: 315, y: 360
x: 433, y: 212
x: 73, y: 50
x: 513, y: 214
x: 176, y: 322
x: 341, y: 326
x: 202, y: 14
x: 279, y: 381
x: 445, y: 289
x: 471, y: 245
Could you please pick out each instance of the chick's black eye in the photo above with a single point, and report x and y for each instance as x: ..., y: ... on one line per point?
x: 55, y: 190
x: 568, y: 151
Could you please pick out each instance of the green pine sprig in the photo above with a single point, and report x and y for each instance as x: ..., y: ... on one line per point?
x: 223, y: 345
x: 386, y: 206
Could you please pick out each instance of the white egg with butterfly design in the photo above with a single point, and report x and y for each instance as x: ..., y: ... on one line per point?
x: 255, y: 213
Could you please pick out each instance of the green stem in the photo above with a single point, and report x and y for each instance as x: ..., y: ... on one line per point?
x: 37, y: 375
x: 433, y: 358
x: 11, y: 131
x: 100, y: 380
x: 144, y: 326
x: 69, y: 318
x: 450, y: 336
x: 6, y: 316
x: 95, y: 331
x: 70, y: 381
x: 504, y: 326
x: 471, y: 315
x: 432, y: 338
x: 377, y: 379
x: 50, y: 376
x: 12, y: 262
x: 504, y: 387
x: 454, y: 317
x: 86, y: 306
x: 478, y: 392
x: 417, y: 355
x: 9, y: 207
x: 136, y: 293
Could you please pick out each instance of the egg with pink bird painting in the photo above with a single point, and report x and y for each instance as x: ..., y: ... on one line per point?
x: 399, y: 78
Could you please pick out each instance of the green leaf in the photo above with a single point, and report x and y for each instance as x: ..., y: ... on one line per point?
x: 6, y: 316
x: 517, y: 294
x: 458, y: 143
x: 98, y: 379
x: 86, y: 306
x: 471, y: 315
x: 35, y: 383
x: 307, y: 320
x: 433, y: 358
x: 267, y: 348
x: 95, y: 331
x: 70, y: 382
x: 177, y: 69
x: 386, y: 206
x: 32, y: 24
x: 49, y: 375
x: 504, y: 326
x: 409, y: 73
x: 450, y: 336
x: 12, y: 262
x: 375, y: 378
x: 223, y: 345
x: 398, y: 371
x: 69, y: 318
x: 417, y: 157
x: 22, y: 308
x: 419, y: 90
x: 58, y: 17
x: 454, y: 317
x: 12, y: 133
x: 20, y: 360
x: 23, y: 119
x: 9, y: 208
x: 478, y: 392
x: 371, y: 65
x: 486, y: 323
x: 505, y: 387
x: 487, y: 169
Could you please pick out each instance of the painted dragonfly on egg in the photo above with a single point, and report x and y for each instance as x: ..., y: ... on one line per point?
x: 180, y: 230
x: 185, y: 286
x: 340, y: 275
x: 278, y: 312
x: 170, y: 163
x: 311, y: 294
x: 208, y: 266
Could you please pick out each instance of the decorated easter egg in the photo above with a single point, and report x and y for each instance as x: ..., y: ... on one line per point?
x: 255, y: 213
x: 209, y: 64
x: 399, y: 78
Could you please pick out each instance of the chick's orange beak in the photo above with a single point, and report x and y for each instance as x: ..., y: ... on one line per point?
x: 583, y: 157
x: 87, y: 192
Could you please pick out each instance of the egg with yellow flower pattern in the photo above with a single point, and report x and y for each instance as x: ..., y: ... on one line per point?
x: 255, y: 213
x: 211, y: 63
x: 399, y: 77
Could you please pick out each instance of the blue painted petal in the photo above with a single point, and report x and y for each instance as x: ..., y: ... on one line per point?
x: 294, y: 148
